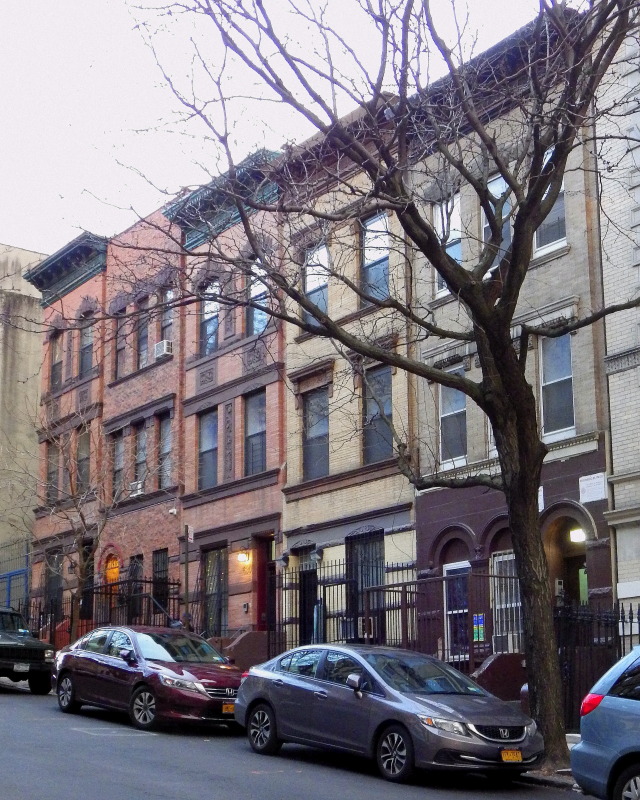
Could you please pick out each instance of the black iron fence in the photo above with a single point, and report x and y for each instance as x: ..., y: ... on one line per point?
x: 128, y: 602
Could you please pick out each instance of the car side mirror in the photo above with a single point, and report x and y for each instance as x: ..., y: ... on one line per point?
x: 128, y: 655
x: 354, y: 681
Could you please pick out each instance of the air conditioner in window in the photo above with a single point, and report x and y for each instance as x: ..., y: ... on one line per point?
x: 163, y: 348
x: 136, y: 488
x: 506, y: 643
x: 365, y: 627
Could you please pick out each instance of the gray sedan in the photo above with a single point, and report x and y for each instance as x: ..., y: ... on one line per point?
x: 402, y: 708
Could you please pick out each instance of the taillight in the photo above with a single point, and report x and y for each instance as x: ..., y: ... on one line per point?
x: 244, y: 675
x: 590, y: 702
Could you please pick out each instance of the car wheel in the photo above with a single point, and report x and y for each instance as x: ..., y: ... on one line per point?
x: 67, y: 695
x: 627, y: 787
x: 142, y: 709
x: 40, y: 683
x: 394, y: 754
x: 261, y: 730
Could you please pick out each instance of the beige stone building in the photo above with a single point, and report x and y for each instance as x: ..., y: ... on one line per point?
x: 20, y: 363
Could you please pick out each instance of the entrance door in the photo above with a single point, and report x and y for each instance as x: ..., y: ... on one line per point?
x: 265, y: 590
x: 308, y: 598
x: 456, y: 610
x: 216, y: 591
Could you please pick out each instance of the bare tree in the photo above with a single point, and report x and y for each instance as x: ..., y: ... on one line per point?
x: 525, y: 112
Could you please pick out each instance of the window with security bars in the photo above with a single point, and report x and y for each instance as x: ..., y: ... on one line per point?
x: 456, y: 609
x: 216, y: 590
x: 255, y: 433
x: 505, y: 603
x: 160, y: 576
x: 365, y: 568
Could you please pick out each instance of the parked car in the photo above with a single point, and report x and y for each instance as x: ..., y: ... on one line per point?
x: 402, y: 708
x: 606, y: 761
x: 156, y: 674
x: 23, y: 657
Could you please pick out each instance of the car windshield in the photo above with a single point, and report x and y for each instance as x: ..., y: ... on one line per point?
x: 416, y: 674
x: 12, y: 622
x: 178, y: 647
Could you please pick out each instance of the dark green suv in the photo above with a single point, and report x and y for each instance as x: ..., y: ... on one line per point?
x: 22, y: 656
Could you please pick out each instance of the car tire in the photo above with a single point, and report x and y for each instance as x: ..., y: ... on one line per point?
x: 66, y: 693
x: 142, y: 709
x: 261, y: 730
x: 395, y: 754
x: 627, y: 786
x: 39, y: 683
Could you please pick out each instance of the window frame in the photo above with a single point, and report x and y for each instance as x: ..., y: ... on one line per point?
x: 142, y: 334
x: 117, y: 465
x: 56, y: 361
x: 448, y: 215
x: 83, y: 461
x: 52, y: 486
x: 208, y: 340
x: 373, y: 449
x: 318, y: 294
x: 85, y: 346
x: 253, y: 465
x: 165, y: 446
x: 140, y: 443
x: 311, y: 445
x: 555, y: 244
x: 556, y: 434
x: 209, y: 454
x: 506, y: 219
x: 120, y: 335
x: 167, y: 296
x: 367, y: 266
x: 448, y: 461
x: 257, y: 321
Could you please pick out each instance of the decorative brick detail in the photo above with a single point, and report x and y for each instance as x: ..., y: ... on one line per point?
x: 228, y: 442
x: 207, y: 376
x: 254, y: 357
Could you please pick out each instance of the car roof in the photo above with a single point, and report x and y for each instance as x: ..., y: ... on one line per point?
x: 360, y: 649
x: 146, y: 629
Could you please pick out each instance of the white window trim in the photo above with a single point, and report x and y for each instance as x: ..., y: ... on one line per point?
x: 457, y: 461
x: 561, y: 433
x: 438, y: 224
x: 559, y: 243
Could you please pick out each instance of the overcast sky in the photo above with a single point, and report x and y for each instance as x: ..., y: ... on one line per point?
x: 88, y: 124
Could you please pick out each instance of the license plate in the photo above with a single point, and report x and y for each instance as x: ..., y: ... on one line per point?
x: 21, y: 668
x: 511, y: 755
x: 227, y: 708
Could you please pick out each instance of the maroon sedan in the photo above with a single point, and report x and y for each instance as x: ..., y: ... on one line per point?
x: 156, y: 674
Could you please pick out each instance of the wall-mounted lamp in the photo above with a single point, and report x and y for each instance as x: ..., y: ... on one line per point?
x: 282, y: 561
x: 316, y: 555
x: 243, y: 557
x: 577, y: 535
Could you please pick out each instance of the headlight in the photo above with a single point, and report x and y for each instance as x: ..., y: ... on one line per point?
x: 48, y: 655
x: 447, y: 725
x: 531, y: 728
x: 180, y: 683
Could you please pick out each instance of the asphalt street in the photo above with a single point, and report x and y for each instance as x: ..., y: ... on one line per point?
x: 98, y: 755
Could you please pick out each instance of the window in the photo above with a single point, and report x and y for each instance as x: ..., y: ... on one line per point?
x: 338, y: 667
x: 142, y: 335
x: 209, y: 319
x: 456, y: 609
x: 121, y: 343
x: 140, y: 464
x: 117, y: 478
x: 166, y: 315
x: 453, y: 425
x: 257, y: 320
x: 216, y: 588
x: 375, y: 257
x: 316, y: 278
x: 365, y: 568
x: 164, y: 452
x: 52, y: 488
x: 86, y: 347
x: 498, y: 187
x: 55, y: 374
x: 557, y: 388
x: 448, y: 226
x: 160, y: 577
x: 377, y: 413
x: 255, y: 433
x: 208, y: 450
x: 505, y: 602
x: 552, y: 231
x: 315, y: 433
x: 83, y: 451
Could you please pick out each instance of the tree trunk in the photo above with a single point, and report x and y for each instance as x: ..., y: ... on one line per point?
x: 541, y: 651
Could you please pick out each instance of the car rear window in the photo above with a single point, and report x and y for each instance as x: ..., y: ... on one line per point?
x: 628, y: 684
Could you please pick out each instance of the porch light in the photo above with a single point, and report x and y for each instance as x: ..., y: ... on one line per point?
x: 243, y: 557
x: 577, y: 535
x: 316, y: 555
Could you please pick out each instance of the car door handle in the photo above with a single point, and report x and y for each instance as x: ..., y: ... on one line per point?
x: 321, y: 695
x: 278, y: 682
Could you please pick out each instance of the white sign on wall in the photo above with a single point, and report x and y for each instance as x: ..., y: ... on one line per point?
x: 593, y: 487
x: 540, y: 499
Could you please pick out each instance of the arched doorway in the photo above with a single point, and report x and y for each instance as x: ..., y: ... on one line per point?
x: 565, y: 546
x: 111, y: 577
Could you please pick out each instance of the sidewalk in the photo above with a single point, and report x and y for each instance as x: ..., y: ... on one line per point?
x: 562, y: 779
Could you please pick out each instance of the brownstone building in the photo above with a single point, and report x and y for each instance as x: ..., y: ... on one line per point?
x: 160, y: 432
